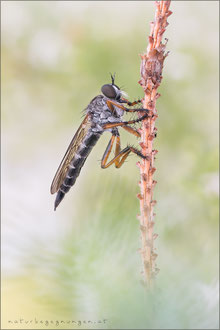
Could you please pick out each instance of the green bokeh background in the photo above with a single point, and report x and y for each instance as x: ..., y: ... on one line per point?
x: 81, y: 263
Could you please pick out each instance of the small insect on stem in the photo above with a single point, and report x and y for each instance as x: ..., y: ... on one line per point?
x: 104, y: 113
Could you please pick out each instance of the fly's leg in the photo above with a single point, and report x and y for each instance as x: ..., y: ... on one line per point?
x: 120, y: 158
x: 130, y: 104
x: 111, y: 105
x: 137, y: 110
x: 109, y: 149
x: 132, y: 131
x: 118, y: 145
x: 125, y: 152
x: 124, y: 123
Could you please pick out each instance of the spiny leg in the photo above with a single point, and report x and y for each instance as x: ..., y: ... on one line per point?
x: 111, y: 105
x: 126, y: 151
x: 107, y: 151
x: 117, y: 149
x: 130, y: 104
x: 109, y: 148
x: 118, y: 145
x: 123, y: 123
x: 120, y: 158
x: 137, y: 110
x: 132, y: 131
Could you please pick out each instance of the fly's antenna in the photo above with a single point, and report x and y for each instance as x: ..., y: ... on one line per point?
x: 113, y: 78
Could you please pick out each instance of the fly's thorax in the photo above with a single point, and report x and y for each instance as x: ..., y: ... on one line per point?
x: 101, y: 114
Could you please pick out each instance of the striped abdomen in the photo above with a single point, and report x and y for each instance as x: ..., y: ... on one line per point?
x: 76, y: 164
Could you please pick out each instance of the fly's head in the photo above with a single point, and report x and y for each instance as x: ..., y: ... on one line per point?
x: 112, y: 91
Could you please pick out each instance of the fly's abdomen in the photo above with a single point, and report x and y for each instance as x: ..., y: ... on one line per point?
x: 76, y: 164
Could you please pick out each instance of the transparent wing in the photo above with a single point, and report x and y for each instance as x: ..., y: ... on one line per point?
x: 74, y: 144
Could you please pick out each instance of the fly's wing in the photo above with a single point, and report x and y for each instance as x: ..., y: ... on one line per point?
x: 74, y: 144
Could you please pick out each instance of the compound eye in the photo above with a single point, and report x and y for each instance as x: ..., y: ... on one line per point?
x: 109, y: 91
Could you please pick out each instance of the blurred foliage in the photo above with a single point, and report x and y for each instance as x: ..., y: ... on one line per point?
x: 82, y: 262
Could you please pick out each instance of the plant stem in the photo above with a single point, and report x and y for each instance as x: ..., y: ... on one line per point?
x: 151, y: 76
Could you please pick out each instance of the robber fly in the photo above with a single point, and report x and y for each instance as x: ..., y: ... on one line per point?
x: 104, y: 113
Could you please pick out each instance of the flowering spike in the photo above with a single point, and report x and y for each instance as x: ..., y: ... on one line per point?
x: 151, y: 76
x: 139, y: 196
x: 152, y: 170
